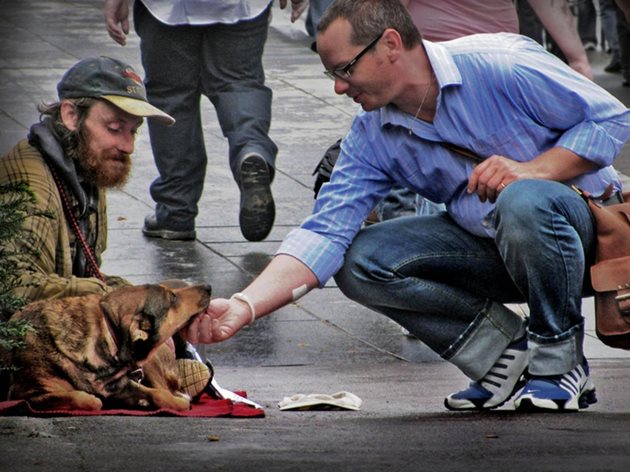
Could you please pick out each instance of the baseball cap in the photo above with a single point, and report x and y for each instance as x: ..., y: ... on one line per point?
x: 111, y: 80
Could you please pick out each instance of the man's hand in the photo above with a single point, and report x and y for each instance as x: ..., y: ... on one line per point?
x: 283, y: 281
x: 222, y: 320
x: 297, y: 8
x: 116, y: 14
x: 491, y: 176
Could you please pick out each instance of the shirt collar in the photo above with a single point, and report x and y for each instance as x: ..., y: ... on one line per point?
x: 446, y: 73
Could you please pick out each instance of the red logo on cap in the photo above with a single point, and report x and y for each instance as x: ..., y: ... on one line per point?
x: 130, y: 74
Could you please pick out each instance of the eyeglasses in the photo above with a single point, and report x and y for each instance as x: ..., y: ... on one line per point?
x: 343, y: 73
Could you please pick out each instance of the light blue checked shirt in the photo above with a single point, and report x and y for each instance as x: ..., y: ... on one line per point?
x: 499, y: 94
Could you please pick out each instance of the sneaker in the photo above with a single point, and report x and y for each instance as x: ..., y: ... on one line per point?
x: 501, y: 382
x: 258, y: 211
x: 566, y: 392
x: 152, y: 229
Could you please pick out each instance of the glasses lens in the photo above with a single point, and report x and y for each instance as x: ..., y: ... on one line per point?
x: 338, y: 74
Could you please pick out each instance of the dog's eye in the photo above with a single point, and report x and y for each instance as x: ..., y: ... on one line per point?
x: 173, y: 299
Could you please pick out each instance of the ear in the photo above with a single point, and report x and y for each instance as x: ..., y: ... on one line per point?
x: 393, y: 44
x: 158, y: 301
x: 69, y: 115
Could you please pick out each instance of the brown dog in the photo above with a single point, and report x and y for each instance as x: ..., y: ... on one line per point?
x: 94, y: 352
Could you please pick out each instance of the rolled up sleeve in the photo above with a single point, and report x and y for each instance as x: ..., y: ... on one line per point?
x: 323, y: 256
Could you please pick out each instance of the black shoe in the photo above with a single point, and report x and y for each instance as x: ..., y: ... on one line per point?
x: 613, y: 67
x: 152, y: 229
x: 258, y: 211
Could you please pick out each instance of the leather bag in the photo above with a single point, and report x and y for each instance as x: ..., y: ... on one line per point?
x: 610, y: 275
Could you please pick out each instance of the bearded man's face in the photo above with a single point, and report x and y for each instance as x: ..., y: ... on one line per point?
x: 107, y: 168
x: 105, y: 141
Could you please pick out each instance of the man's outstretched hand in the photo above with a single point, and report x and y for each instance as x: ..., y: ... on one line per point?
x: 222, y: 319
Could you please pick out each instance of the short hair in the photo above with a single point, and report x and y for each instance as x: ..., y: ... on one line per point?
x: 67, y: 138
x: 53, y: 110
x: 369, y: 18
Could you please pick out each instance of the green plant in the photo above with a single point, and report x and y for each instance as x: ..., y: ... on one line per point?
x: 12, y: 335
x: 16, y: 200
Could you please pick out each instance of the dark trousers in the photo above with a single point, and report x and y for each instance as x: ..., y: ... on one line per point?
x: 182, y: 63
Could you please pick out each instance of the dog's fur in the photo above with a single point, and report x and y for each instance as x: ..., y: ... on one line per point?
x: 90, y: 352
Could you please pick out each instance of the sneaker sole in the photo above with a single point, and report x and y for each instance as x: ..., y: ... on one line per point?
x: 517, y: 365
x: 258, y: 210
x: 472, y: 405
x: 170, y: 234
x: 529, y: 403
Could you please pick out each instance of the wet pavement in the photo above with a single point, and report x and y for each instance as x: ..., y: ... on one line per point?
x: 324, y: 343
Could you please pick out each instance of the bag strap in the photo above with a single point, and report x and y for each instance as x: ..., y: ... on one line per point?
x: 462, y: 151
x: 92, y: 265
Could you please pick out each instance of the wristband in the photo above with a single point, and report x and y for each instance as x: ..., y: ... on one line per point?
x: 245, y: 299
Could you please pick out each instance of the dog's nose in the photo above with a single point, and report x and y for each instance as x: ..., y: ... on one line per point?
x: 207, y: 288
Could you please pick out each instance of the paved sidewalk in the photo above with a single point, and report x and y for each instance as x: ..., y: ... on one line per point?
x: 324, y: 343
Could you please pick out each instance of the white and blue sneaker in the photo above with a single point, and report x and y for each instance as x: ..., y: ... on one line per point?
x: 566, y: 392
x: 501, y: 382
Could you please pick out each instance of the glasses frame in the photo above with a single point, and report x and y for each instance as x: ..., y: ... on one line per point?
x: 344, y: 73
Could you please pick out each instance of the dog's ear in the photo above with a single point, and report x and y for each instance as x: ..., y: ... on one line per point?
x: 158, y: 301
x: 137, y: 313
x: 121, y: 303
x: 145, y: 327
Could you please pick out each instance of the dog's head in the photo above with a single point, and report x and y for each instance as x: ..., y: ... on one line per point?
x: 145, y: 316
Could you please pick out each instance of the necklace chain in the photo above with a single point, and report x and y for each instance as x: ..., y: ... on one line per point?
x: 426, y: 94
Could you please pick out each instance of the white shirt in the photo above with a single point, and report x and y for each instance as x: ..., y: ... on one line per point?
x: 205, y: 12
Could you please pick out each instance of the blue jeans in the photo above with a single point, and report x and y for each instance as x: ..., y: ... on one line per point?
x: 448, y: 287
x: 182, y: 63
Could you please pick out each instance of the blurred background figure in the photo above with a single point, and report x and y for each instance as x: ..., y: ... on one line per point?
x: 316, y: 9
x: 191, y: 49
x: 587, y: 13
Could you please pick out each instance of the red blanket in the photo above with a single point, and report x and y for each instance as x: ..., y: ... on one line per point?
x: 204, y: 407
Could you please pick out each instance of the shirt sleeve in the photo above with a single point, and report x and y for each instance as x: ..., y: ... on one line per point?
x: 356, y: 186
x: 595, y: 123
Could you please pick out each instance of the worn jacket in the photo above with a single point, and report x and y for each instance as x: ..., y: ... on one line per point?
x: 51, y: 261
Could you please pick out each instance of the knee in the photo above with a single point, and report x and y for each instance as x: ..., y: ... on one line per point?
x: 346, y: 278
x: 362, y: 269
x: 522, y: 206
